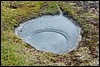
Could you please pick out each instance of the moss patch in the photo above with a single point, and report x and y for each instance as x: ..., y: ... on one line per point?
x: 15, y: 52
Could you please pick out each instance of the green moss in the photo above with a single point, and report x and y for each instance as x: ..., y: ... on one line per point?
x: 14, y: 52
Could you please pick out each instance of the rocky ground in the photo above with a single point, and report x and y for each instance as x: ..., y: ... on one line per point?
x: 15, y: 52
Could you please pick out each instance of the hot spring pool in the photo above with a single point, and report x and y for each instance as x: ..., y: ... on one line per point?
x: 56, y: 34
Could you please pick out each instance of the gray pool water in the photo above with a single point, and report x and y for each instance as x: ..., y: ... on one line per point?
x: 56, y: 34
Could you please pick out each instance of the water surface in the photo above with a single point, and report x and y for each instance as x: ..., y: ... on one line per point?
x: 56, y: 34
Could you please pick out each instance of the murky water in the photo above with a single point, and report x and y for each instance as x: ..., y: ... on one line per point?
x: 48, y: 33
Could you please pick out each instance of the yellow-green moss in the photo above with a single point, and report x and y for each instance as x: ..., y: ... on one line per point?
x: 15, y: 52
